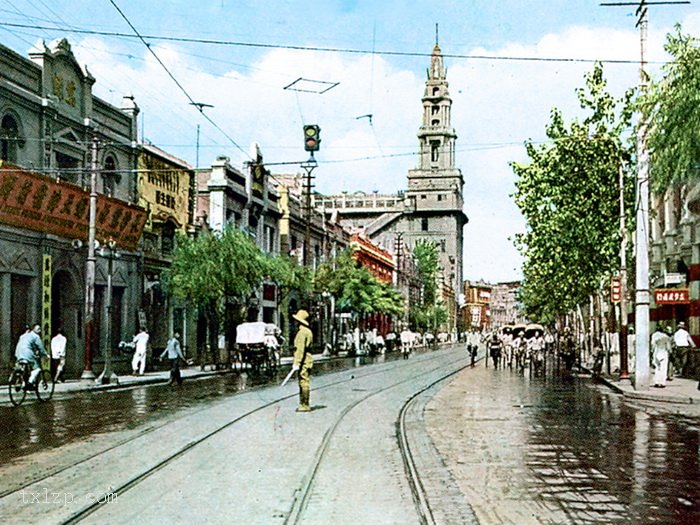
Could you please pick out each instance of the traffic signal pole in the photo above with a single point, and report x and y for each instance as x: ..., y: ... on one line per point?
x: 312, y: 142
x: 309, y: 166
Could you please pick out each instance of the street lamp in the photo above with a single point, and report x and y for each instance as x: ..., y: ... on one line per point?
x: 109, y: 251
x: 90, y: 269
x: 308, y: 166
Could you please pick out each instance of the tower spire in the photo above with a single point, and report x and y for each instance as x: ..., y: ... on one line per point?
x: 437, y: 34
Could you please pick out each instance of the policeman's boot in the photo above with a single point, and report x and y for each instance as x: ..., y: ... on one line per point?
x: 304, y: 395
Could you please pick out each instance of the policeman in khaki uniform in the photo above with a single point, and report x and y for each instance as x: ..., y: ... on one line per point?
x: 303, y: 361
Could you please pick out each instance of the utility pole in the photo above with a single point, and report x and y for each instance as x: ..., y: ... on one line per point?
x: 200, y: 107
x: 88, y: 374
x: 312, y: 142
x: 309, y: 166
x: 624, y: 371
x: 108, y: 376
x: 641, y: 310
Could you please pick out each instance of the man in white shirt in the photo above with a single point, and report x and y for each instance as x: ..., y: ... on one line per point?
x: 683, y: 343
x: 138, y: 363
x: 58, y: 356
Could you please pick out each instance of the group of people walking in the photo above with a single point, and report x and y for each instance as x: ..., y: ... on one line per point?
x: 669, y: 353
x: 518, y: 351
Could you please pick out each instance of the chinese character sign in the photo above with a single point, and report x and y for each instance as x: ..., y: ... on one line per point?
x: 671, y: 296
x: 29, y: 200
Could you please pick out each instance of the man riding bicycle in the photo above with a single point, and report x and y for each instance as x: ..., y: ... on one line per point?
x: 30, y: 349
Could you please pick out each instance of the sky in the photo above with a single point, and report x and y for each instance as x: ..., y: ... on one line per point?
x: 241, y: 57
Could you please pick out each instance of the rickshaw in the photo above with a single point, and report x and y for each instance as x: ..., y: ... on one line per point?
x: 254, y: 348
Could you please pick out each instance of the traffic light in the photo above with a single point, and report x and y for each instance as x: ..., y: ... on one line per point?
x: 312, y: 137
x: 615, y: 290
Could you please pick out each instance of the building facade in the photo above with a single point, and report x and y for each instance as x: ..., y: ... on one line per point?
x: 431, y: 208
x: 56, y: 138
x: 506, y: 310
x: 477, y: 310
x: 166, y: 191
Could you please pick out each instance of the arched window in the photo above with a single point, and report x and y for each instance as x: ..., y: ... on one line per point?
x: 167, y: 239
x: 9, y: 138
x: 109, y: 176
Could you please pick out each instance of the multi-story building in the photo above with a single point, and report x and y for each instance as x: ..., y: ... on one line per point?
x: 674, y: 264
x: 64, y: 138
x: 477, y: 310
x: 166, y: 191
x: 505, y: 308
x: 431, y: 207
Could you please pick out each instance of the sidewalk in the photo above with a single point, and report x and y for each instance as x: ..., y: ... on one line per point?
x: 680, y: 391
x: 125, y: 381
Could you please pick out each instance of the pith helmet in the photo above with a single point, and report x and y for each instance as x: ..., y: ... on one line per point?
x: 302, y: 316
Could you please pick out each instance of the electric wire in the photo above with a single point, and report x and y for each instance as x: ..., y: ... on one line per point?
x: 417, y: 54
x: 175, y: 80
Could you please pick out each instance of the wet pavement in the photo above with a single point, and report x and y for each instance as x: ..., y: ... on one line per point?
x: 78, y: 414
x: 562, y: 449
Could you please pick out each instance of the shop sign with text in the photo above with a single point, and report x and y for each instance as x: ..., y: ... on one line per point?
x: 44, y: 204
x: 671, y: 296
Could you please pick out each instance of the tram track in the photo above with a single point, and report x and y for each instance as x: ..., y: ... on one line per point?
x: 135, y: 480
x: 302, y: 498
x: 126, y: 441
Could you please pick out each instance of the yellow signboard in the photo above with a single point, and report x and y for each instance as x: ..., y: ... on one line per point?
x: 164, y: 189
x: 46, y: 299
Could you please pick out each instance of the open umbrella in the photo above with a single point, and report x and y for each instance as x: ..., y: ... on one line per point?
x: 533, y: 328
x: 518, y: 329
x: 506, y: 329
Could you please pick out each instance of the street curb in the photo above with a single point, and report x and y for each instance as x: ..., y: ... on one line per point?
x: 643, y: 396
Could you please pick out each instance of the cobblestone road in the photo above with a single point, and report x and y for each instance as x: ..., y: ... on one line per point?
x: 253, y: 467
x: 559, y: 450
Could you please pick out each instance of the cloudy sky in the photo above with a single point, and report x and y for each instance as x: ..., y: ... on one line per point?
x: 240, y: 57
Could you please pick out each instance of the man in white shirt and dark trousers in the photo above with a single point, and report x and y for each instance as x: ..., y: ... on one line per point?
x: 58, y: 356
x: 174, y: 354
x: 683, y: 343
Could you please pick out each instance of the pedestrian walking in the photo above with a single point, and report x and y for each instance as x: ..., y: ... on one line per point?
x: 495, y: 349
x: 661, y: 348
x: 683, y: 343
x: 673, y: 356
x: 174, y: 354
x: 406, y: 339
x: 472, y: 349
x: 58, y: 356
x: 138, y: 362
x: 303, y: 360
x: 567, y: 351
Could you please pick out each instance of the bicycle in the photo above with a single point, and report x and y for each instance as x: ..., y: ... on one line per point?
x: 19, y: 385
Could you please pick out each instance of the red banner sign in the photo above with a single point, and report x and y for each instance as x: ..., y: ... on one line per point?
x: 39, y: 203
x: 671, y: 296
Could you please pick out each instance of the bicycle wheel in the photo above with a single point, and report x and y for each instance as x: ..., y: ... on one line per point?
x: 16, y: 388
x: 44, y: 386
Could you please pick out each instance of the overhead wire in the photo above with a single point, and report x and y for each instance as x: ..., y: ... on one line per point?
x: 572, y: 60
x: 176, y: 81
x: 143, y: 89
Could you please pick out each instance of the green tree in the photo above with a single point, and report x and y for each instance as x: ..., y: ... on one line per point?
x: 355, y: 288
x: 568, y: 194
x: 288, y: 275
x: 428, y: 265
x: 670, y: 105
x: 209, y: 269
